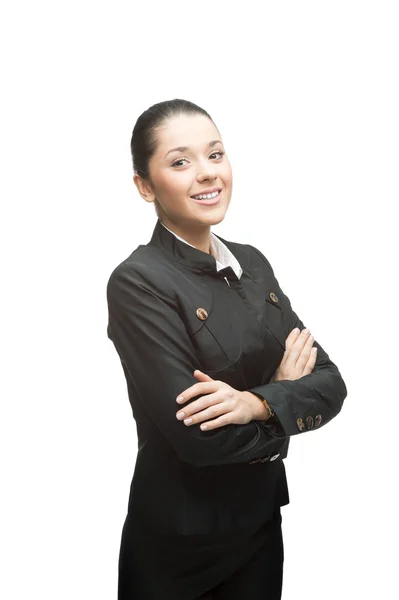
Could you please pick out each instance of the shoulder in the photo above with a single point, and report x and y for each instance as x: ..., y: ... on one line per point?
x: 140, y: 273
x: 260, y: 258
x: 248, y: 254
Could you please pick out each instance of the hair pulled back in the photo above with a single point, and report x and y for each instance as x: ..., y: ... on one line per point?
x: 144, y: 137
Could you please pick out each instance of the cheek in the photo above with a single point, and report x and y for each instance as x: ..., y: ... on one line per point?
x: 172, y: 185
x: 227, y: 174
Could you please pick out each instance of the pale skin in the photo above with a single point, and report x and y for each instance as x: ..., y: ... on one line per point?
x: 225, y: 405
x: 190, y: 158
x: 175, y: 175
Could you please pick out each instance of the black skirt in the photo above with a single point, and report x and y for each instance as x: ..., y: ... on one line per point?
x: 194, y: 567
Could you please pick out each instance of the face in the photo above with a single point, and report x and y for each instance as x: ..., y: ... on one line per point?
x: 177, y: 175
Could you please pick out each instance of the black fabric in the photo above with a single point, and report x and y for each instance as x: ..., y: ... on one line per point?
x: 221, y: 484
x: 226, y: 567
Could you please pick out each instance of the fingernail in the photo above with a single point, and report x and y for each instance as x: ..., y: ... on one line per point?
x: 314, y: 350
x: 188, y: 421
x: 296, y: 330
x: 204, y: 427
x: 179, y: 399
x: 180, y: 415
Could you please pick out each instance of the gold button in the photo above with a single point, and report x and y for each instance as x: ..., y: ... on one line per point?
x: 273, y: 297
x: 301, y: 424
x: 309, y: 422
x: 202, y: 314
x: 317, y: 420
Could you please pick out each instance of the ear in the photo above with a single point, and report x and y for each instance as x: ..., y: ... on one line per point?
x: 144, y: 188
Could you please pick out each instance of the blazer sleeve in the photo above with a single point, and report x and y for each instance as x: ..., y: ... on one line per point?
x: 154, y: 345
x: 311, y: 401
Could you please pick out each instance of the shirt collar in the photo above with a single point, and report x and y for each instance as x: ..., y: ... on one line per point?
x: 224, y: 258
x: 221, y: 261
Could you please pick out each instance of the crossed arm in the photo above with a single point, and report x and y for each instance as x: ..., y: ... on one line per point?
x: 153, y: 344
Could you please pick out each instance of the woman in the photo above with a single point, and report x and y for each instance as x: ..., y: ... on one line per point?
x: 193, y: 315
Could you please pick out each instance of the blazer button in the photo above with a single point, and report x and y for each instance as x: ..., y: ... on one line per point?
x: 317, y: 420
x: 275, y: 456
x: 301, y: 424
x: 202, y: 314
x: 273, y: 297
x: 309, y: 422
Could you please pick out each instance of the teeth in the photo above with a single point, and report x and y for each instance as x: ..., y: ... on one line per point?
x: 207, y: 196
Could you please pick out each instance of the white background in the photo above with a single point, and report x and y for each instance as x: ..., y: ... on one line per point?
x: 305, y: 95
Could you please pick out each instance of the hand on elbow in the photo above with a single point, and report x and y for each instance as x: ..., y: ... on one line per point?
x: 219, y: 405
x: 299, y: 357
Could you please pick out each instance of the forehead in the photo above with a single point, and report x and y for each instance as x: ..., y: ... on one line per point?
x: 186, y: 130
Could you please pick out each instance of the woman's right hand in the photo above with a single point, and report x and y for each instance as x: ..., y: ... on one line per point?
x: 299, y: 356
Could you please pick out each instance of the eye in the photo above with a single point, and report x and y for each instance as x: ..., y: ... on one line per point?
x: 180, y: 160
x: 218, y: 152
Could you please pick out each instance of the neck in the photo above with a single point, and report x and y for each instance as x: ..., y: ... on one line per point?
x: 200, y: 238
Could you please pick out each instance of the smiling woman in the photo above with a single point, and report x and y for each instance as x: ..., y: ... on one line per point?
x: 179, y: 165
x: 194, y: 315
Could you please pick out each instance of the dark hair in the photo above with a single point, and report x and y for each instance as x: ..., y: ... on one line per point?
x: 144, y: 140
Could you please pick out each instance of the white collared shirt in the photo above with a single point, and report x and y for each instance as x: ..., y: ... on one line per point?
x: 224, y: 258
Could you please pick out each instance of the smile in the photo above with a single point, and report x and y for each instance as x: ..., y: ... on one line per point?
x: 208, y: 198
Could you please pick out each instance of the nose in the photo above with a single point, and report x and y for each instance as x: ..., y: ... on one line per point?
x: 206, y: 170
x: 205, y: 174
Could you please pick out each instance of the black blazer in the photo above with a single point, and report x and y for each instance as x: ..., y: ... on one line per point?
x: 188, y: 481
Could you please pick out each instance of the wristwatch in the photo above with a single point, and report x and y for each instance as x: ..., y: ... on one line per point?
x: 269, y: 408
x: 271, y: 411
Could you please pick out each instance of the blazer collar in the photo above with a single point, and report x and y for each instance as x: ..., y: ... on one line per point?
x: 197, y: 260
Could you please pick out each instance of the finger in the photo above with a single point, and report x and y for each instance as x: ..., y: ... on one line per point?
x: 311, y: 362
x: 203, y: 387
x: 201, y: 404
x: 201, y: 375
x: 219, y: 422
x: 292, y: 350
x: 293, y: 335
x: 299, y: 345
x: 211, y: 412
x: 306, y: 351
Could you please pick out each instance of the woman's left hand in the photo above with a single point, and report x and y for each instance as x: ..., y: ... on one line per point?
x: 222, y: 403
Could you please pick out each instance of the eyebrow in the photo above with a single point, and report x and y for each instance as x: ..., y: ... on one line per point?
x: 184, y: 148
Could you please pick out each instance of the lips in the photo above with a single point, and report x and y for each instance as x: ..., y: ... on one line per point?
x: 208, y: 201
x: 208, y: 191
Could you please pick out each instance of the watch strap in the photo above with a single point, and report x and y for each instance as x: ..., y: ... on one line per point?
x: 271, y: 411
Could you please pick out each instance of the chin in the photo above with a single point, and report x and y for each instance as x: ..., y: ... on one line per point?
x: 218, y: 218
